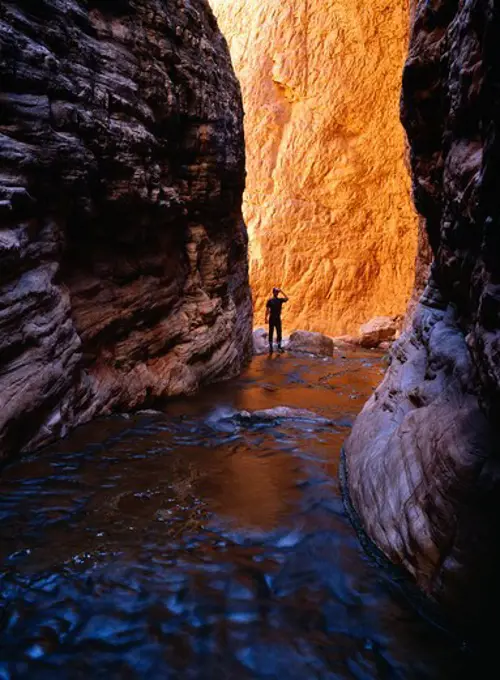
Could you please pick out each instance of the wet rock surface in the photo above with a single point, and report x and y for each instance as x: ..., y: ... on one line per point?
x: 423, y: 456
x: 123, y: 252
x: 422, y: 468
x: 280, y: 413
x: 186, y: 545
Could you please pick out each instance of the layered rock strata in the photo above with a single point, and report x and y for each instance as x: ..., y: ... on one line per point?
x: 423, y: 460
x: 328, y: 202
x: 123, y: 254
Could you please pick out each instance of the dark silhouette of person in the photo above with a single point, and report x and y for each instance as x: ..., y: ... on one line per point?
x: 273, y: 317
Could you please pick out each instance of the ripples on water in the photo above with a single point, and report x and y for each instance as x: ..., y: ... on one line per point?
x: 192, y: 545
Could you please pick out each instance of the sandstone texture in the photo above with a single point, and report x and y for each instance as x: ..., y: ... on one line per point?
x: 307, y: 342
x: 327, y: 202
x: 123, y: 264
x: 260, y: 339
x: 422, y: 461
x: 376, y: 333
x: 312, y: 343
x: 379, y: 330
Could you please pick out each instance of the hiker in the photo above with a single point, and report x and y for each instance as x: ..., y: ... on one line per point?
x: 273, y: 317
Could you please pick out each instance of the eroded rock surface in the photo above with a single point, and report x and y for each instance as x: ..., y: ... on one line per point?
x: 260, y: 338
x: 122, y: 249
x: 328, y: 192
x: 271, y: 415
x: 313, y: 343
x: 379, y: 330
x: 422, y: 459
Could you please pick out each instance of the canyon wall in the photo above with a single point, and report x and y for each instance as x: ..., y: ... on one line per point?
x: 123, y: 253
x: 327, y: 203
x: 423, y: 461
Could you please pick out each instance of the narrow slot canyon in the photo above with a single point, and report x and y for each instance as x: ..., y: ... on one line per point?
x: 328, y: 198
x: 178, y: 499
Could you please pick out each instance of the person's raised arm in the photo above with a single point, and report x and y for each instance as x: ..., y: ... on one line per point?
x: 285, y: 299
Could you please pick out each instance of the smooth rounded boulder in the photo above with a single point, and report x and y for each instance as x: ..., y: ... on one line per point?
x: 311, y: 343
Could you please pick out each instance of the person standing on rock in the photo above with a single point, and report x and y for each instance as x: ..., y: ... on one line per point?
x: 273, y: 317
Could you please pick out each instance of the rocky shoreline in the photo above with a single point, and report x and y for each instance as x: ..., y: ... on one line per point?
x: 378, y: 333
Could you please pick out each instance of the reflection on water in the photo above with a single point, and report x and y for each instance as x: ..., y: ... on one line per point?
x: 194, y: 544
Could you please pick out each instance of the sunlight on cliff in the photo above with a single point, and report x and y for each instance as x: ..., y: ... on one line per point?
x: 328, y: 204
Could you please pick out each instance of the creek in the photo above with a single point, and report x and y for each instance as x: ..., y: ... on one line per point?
x: 207, y: 541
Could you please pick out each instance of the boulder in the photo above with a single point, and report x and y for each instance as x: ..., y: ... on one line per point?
x: 260, y: 341
x: 381, y: 329
x: 345, y: 341
x: 312, y: 343
x: 282, y: 413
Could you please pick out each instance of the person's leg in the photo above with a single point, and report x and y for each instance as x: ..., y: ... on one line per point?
x: 271, y: 333
x: 278, y: 333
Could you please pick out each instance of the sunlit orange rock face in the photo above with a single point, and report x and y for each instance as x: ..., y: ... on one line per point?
x: 328, y: 194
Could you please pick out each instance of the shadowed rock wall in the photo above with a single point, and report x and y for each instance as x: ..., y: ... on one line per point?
x: 328, y: 202
x: 123, y: 254
x: 423, y: 457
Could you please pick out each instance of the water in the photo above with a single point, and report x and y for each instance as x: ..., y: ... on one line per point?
x: 197, y: 543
